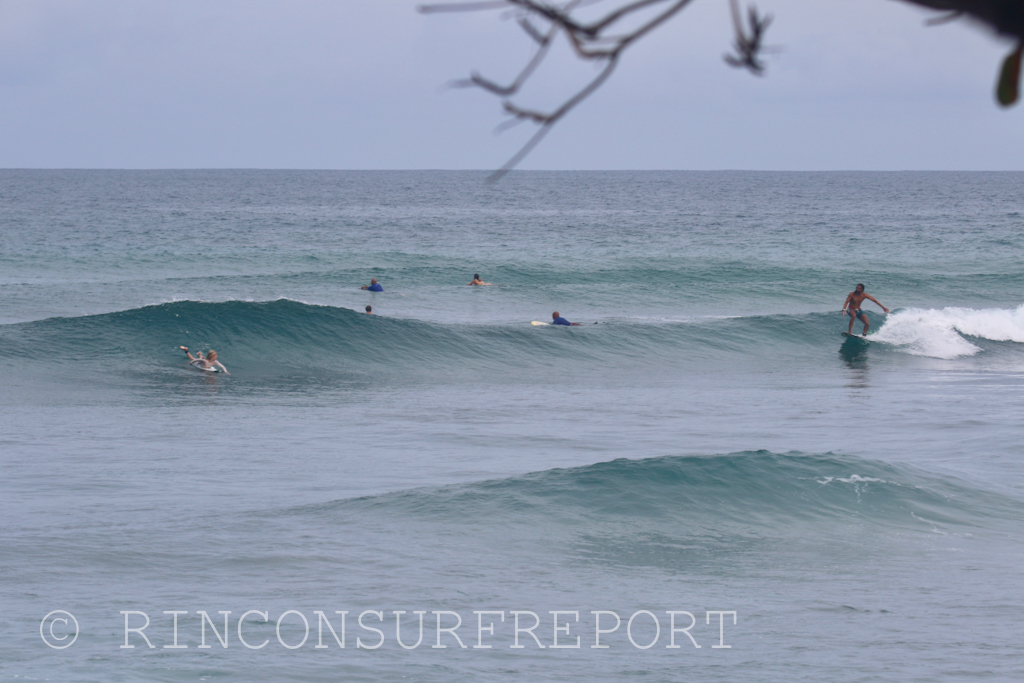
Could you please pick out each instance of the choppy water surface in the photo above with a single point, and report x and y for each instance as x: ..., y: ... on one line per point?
x: 711, y: 444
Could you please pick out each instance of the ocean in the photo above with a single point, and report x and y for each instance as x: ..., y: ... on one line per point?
x: 702, y: 481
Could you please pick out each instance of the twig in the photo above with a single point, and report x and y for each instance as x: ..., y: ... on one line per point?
x: 748, y: 46
x: 590, y: 41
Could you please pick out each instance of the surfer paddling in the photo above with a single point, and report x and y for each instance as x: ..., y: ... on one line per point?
x: 208, y: 363
x: 373, y: 286
x: 557, y: 319
x: 852, y: 306
x: 477, y: 281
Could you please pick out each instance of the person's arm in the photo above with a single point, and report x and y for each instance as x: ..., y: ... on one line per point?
x: 365, y: 287
x: 221, y: 366
x: 878, y: 302
x: 848, y: 297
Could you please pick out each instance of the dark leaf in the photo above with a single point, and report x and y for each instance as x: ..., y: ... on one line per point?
x: 1008, y: 89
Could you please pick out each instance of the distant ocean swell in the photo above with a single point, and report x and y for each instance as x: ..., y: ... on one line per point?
x: 759, y: 491
x: 679, y: 276
x: 251, y: 334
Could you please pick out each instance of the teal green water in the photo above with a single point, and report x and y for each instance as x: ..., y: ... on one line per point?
x: 711, y: 443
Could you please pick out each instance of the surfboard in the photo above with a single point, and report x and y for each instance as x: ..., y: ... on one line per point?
x: 854, y: 336
x: 537, y: 322
x: 199, y: 367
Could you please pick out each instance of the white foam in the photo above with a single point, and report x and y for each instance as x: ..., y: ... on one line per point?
x: 938, y: 333
x: 852, y: 479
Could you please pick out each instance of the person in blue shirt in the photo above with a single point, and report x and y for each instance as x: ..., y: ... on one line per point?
x: 556, y: 319
x: 373, y: 286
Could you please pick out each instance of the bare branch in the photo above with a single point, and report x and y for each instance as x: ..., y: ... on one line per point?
x: 547, y: 121
x: 588, y: 40
x: 552, y: 14
x: 610, y: 19
x: 748, y: 46
x: 506, y: 90
x: 653, y: 24
x: 534, y: 33
x: 592, y: 41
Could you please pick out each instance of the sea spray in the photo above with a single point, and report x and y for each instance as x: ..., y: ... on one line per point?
x: 940, y: 333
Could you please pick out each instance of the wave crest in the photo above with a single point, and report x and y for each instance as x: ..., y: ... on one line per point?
x: 939, y: 333
x: 753, y: 489
x: 265, y: 337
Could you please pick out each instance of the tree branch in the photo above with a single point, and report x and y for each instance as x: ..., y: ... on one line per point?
x: 588, y: 40
x: 748, y: 47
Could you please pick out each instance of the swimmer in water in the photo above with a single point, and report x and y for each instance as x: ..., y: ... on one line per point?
x: 369, y: 310
x: 557, y: 319
x: 204, y: 363
x: 478, y: 281
x: 373, y: 286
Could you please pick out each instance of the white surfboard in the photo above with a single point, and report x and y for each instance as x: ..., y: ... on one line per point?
x: 537, y: 322
x: 197, y: 366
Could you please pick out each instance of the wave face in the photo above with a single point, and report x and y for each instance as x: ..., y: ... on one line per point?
x: 708, y: 504
x: 756, y: 488
x: 265, y: 337
x: 258, y: 335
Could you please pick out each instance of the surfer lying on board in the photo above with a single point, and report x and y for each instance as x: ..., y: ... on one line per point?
x: 852, y: 307
x: 478, y: 281
x: 204, y: 363
x: 373, y: 286
x: 559, y: 320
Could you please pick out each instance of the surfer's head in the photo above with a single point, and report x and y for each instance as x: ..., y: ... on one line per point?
x: 369, y: 309
x: 476, y: 276
x: 211, y: 355
x: 373, y: 280
x: 554, y: 315
x: 860, y: 288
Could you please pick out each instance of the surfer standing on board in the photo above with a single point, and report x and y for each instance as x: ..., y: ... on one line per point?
x: 852, y: 307
x: 204, y: 363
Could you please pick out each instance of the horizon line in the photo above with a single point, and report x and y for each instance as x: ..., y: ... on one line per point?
x: 484, y: 170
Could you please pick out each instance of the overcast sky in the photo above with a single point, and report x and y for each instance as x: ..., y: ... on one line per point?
x: 359, y: 84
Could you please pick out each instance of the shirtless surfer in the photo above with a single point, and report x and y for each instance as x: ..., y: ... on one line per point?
x: 852, y: 307
x: 478, y: 281
x: 210, y: 362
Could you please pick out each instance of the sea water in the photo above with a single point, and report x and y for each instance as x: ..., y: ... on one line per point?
x: 705, y: 460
